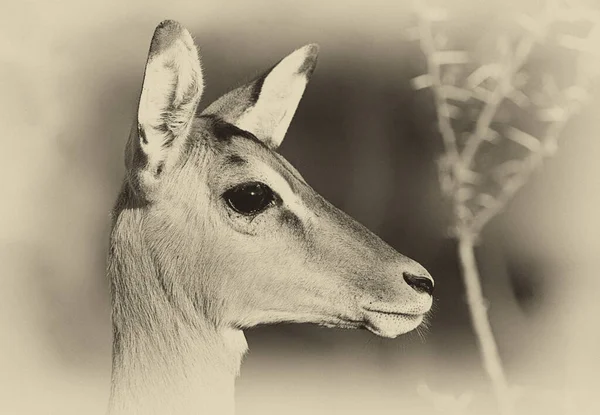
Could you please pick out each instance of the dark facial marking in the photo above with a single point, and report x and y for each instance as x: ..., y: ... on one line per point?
x: 257, y: 87
x: 235, y: 160
x: 289, y: 218
x: 142, y: 134
x: 224, y: 131
x: 308, y: 66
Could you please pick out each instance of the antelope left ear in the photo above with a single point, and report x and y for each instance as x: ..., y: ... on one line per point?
x: 171, y: 91
x: 265, y: 106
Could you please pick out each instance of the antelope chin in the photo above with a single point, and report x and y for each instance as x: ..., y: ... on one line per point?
x: 391, y: 324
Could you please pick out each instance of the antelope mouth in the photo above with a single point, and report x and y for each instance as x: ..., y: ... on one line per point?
x: 391, y: 323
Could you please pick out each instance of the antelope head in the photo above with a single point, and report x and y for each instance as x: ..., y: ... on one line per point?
x: 239, y: 235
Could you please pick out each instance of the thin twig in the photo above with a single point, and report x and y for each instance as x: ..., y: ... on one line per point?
x: 460, y: 182
x: 441, y: 101
x: 481, y: 324
x: 512, y: 186
x: 504, y: 86
x: 535, y: 159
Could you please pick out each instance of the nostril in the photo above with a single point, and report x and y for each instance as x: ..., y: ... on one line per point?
x: 420, y: 284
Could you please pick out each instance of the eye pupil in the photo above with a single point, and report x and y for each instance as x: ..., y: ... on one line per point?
x: 249, y: 198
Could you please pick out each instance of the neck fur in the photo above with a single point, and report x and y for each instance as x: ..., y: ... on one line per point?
x: 167, y: 357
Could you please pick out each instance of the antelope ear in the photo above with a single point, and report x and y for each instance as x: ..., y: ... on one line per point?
x: 265, y: 106
x: 171, y: 90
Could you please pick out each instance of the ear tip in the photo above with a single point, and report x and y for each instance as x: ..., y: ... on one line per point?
x: 311, y: 53
x: 169, y: 29
x: 311, y: 50
x: 169, y: 24
x: 166, y: 34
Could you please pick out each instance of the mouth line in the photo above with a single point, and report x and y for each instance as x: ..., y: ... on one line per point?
x: 393, y: 313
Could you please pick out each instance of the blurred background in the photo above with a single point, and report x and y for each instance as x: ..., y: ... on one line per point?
x: 70, y: 75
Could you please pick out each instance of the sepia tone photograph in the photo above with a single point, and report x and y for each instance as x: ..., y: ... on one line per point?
x: 300, y: 207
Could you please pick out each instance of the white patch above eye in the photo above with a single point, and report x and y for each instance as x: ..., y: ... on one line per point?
x: 281, y: 186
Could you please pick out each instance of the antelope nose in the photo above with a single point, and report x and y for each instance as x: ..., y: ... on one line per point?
x: 419, y: 283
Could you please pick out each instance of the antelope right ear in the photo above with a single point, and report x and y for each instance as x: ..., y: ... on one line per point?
x: 265, y: 106
x: 171, y: 91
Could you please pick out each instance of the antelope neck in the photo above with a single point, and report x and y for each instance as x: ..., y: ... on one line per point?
x: 167, y: 359
x: 189, y: 374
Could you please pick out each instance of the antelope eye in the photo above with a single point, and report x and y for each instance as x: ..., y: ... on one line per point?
x: 249, y: 198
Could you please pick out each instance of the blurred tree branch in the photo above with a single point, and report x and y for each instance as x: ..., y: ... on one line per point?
x: 489, y: 155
